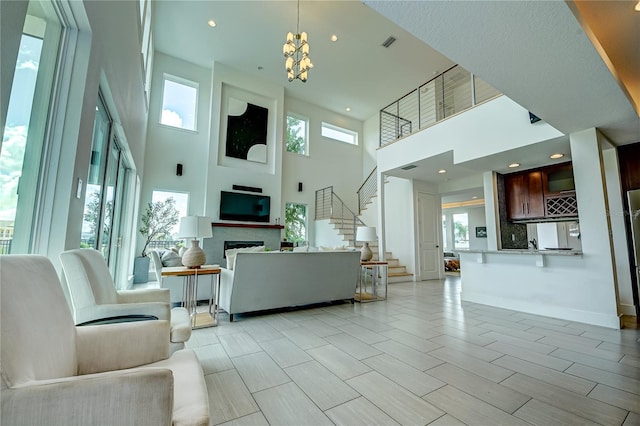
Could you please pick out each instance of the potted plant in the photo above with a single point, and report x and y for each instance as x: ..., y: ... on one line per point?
x: 158, y: 221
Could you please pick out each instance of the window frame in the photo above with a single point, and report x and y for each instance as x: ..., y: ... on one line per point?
x: 306, y: 133
x: 306, y: 220
x: 185, y: 82
x: 334, y: 128
x: 156, y: 196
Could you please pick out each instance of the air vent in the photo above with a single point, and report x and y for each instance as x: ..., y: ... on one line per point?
x: 388, y: 42
x: 409, y: 167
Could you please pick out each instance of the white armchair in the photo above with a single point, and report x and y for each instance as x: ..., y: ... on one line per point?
x: 94, y: 296
x: 54, y: 373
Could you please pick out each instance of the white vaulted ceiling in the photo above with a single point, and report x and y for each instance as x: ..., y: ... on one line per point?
x: 356, y: 71
x: 538, y: 53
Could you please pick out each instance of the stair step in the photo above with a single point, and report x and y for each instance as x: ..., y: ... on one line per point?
x: 399, y: 278
x: 397, y: 270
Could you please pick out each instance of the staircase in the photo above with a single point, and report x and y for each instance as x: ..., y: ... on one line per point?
x: 397, y: 272
x: 344, y: 221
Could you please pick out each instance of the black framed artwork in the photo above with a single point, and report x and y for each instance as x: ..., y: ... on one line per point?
x: 481, y: 232
x: 247, y: 131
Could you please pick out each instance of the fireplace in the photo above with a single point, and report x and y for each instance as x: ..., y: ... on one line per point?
x: 239, y: 244
x: 245, y: 233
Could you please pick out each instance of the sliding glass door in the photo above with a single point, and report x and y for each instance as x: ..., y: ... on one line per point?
x: 23, y: 151
x: 106, y: 186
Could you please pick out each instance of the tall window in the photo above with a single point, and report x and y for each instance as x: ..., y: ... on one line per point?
x: 24, y: 135
x: 297, y: 134
x: 295, y: 225
x: 444, y: 233
x: 179, y: 103
x: 461, y: 230
x: 181, y: 200
x: 339, y: 134
x: 108, y: 176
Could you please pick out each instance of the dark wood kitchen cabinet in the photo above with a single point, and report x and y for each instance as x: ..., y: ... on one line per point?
x: 525, y: 198
x: 544, y: 193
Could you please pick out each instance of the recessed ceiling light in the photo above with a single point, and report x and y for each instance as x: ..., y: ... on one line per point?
x: 512, y: 165
x: 333, y: 37
x: 441, y: 171
x: 637, y: 8
x: 211, y: 23
x: 347, y: 109
x: 557, y: 155
x: 474, y: 197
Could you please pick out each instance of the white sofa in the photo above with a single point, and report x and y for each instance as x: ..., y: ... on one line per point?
x: 270, y: 280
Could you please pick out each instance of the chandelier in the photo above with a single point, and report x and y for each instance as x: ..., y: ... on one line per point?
x: 296, y: 52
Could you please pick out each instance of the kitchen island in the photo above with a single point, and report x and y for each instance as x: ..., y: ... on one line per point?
x: 556, y: 283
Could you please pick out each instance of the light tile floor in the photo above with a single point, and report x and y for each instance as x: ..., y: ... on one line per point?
x: 420, y: 357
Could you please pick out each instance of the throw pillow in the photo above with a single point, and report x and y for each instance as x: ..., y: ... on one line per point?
x: 170, y: 258
x: 231, y: 254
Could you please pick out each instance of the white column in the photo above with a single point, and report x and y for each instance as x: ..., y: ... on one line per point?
x: 491, y: 209
x: 595, y: 226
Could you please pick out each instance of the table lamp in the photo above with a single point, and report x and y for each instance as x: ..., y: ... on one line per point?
x: 194, y: 227
x: 366, y: 234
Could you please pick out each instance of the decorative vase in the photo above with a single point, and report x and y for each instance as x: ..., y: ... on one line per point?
x: 141, y: 270
x: 194, y: 257
x: 365, y: 253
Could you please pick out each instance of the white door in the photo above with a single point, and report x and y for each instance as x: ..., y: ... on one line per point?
x: 428, y: 243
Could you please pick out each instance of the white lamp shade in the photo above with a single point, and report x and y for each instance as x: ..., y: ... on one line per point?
x: 195, y: 227
x: 366, y: 233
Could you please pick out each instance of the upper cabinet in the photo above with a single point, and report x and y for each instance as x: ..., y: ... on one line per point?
x: 543, y: 193
x: 525, y: 199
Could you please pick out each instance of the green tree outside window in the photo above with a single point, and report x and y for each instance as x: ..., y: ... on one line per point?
x: 296, y: 134
x: 295, y: 225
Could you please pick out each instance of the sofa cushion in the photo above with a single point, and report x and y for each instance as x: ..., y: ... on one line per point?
x: 336, y: 248
x: 231, y: 254
x: 171, y: 258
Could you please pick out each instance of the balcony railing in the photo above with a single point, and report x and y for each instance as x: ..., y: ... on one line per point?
x: 5, y: 246
x: 449, y: 93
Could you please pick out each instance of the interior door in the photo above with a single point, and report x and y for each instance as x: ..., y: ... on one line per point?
x: 429, y: 245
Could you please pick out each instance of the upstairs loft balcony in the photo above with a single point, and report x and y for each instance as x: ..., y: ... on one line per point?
x: 447, y: 94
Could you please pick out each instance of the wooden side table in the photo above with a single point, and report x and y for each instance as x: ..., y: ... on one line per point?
x: 190, y: 292
x: 372, y: 285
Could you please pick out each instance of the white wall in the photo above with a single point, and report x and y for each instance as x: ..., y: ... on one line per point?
x: 492, y: 126
x: 207, y: 171
x: 167, y: 146
x: 371, y: 136
x: 399, y: 220
x: 619, y: 235
x: 329, y: 163
x: 224, y: 172
x: 325, y: 235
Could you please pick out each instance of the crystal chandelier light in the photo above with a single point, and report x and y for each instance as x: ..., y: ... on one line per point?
x: 296, y: 52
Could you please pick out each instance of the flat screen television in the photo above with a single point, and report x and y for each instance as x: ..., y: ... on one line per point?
x: 244, y: 207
